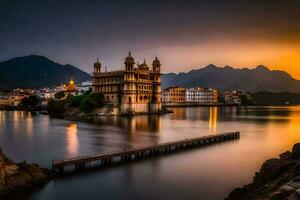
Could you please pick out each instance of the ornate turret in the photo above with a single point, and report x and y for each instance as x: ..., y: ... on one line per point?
x: 97, y: 66
x: 143, y: 66
x: 129, y: 62
x: 156, y: 65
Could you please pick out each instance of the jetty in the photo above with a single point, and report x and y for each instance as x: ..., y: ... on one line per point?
x: 82, y: 162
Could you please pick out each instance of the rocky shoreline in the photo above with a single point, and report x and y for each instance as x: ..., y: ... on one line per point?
x: 278, y: 179
x: 19, y: 176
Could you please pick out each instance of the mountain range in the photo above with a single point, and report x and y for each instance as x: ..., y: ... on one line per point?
x: 227, y: 78
x: 37, y: 72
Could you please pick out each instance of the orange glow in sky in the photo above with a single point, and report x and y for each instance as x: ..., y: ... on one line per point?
x: 234, y: 53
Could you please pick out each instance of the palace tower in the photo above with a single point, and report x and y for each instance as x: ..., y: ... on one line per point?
x: 137, y: 89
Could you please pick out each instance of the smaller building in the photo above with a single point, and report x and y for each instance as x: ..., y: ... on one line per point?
x: 5, y: 102
x: 11, y: 100
x: 174, y: 94
x: 205, y: 96
x: 84, y: 87
x: 46, y: 93
x: 232, y: 98
x: 70, y: 88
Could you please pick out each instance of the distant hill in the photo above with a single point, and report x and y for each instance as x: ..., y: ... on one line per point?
x: 228, y: 78
x: 36, y: 72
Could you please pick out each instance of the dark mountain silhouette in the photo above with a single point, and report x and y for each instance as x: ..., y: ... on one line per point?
x: 36, y: 72
x: 228, y: 78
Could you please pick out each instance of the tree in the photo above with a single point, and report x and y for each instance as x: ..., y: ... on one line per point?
x: 34, y: 100
x: 86, y: 93
x: 56, y: 108
x: 87, y: 105
x: 98, y: 99
x: 31, y: 101
x: 59, y: 95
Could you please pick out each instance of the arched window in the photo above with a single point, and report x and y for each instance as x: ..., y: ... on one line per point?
x: 141, y: 98
x: 129, y: 99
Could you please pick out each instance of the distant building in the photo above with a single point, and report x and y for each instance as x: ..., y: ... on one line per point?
x: 11, y: 100
x: 232, y: 98
x: 4, y: 102
x: 16, y: 98
x: 174, y: 94
x: 201, y: 96
x: 84, y: 87
x: 135, y: 89
x: 46, y: 93
x: 70, y: 88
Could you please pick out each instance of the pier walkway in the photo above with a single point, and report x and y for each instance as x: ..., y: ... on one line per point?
x: 82, y: 162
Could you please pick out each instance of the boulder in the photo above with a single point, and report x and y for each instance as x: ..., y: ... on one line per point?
x: 18, y: 176
x: 278, y: 179
x: 286, y: 155
x: 296, y: 151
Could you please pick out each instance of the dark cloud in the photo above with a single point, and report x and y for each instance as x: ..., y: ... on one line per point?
x: 78, y: 31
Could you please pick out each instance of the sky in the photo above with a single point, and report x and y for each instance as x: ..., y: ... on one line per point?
x: 184, y: 34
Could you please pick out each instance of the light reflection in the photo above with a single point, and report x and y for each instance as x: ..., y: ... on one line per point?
x: 29, y: 125
x: 2, y: 116
x: 213, y: 115
x: 72, y: 139
x: 151, y: 123
x: 16, y: 119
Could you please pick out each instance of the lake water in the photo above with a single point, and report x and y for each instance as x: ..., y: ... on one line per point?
x: 205, y: 173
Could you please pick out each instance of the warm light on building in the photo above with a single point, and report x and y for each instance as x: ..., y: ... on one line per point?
x: 135, y: 89
x: 174, y: 95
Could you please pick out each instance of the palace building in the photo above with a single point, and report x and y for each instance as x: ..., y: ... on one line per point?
x: 136, y: 89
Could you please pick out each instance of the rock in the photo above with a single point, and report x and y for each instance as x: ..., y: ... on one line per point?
x: 238, y: 193
x: 298, y: 192
x: 286, y: 155
x: 296, y: 151
x: 278, y: 179
x: 286, y: 188
x: 14, y: 177
x: 272, y: 169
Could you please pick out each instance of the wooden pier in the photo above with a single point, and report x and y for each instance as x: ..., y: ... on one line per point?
x: 82, y: 162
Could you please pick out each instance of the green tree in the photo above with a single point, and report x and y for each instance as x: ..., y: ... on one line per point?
x: 31, y: 102
x: 87, y: 105
x: 98, y: 99
x: 76, y: 101
x: 56, y: 108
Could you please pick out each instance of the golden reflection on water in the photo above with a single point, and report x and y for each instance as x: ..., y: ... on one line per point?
x: 145, y: 123
x: 213, y: 116
x: 16, y: 118
x: 2, y: 116
x: 72, y: 139
x: 29, y: 125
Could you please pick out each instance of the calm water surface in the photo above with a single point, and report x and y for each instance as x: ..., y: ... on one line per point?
x: 204, y: 173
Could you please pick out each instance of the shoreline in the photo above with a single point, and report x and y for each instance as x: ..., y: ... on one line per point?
x: 21, y: 177
x: 278, y: 179
x: 164, y: 106
x: 199, y: 105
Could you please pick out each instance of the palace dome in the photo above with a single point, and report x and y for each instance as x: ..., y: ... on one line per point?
x: 143, y: 65
x: 97, y: 63
x: 129, y: 58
